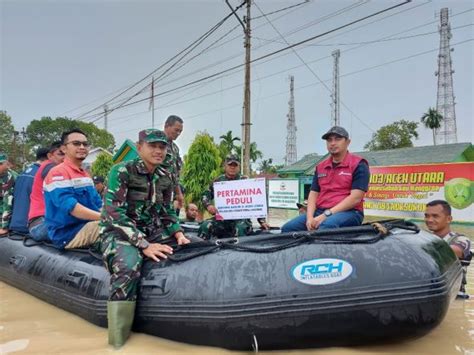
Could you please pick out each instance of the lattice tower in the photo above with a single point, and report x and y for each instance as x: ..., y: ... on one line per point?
x: 335, y: 120
x: 447, y: 133
x: 291, y: 155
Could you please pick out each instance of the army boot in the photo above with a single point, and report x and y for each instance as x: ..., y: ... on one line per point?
x: 120, y: 315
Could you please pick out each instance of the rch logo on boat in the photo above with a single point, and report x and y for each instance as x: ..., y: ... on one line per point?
x: 322, y: 271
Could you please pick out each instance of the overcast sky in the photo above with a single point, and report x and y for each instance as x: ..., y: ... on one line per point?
x: 68, y: 57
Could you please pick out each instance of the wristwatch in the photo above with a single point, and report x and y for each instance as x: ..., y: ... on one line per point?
x: 143, y: 244
x: 327, y: 213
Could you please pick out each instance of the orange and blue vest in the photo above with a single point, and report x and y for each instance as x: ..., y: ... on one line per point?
x: 64, y: 187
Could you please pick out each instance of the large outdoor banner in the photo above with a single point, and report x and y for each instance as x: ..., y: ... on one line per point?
x: 240, y: 199
x: 283, y: 193
x: 403, y: 191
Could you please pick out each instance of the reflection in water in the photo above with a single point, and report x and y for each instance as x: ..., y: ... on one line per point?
x: 34, y: 326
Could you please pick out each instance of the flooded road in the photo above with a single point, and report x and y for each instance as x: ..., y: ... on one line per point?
x: 28, y: 325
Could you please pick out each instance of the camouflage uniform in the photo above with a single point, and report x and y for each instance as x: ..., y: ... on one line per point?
x: 463, y: 243
x: 7, y: 182
x: 137, y: 211
x: 223, y: 229
x: 173, y: 162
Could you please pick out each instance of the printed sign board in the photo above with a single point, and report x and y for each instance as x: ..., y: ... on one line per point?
x: 283, y: 193
x: 240, y: 199
x: 403, y: 191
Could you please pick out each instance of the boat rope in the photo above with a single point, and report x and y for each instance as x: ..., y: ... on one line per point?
x: 254, y: 343
x: 365, y: 234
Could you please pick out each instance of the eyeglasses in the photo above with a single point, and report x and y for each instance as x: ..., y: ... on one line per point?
x: 86, y: 144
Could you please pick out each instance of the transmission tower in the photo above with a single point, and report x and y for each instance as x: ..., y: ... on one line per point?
x: 291, y: 156
x: 335, y: 120
x: 445, y: 98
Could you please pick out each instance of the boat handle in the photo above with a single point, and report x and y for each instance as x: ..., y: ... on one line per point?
x: 16, y: 260
x: 75, y: 279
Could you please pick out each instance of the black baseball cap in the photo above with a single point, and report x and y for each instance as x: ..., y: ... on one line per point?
x: 98, y: 179
x: 232, y: 159
x: 336, y: 130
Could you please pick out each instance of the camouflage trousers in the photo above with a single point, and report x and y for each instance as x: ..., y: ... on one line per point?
x: 210, y: 228
x: 124, y: 263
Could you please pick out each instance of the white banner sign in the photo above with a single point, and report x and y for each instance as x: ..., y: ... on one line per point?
x: 283, y: 193
x: 240, y: 199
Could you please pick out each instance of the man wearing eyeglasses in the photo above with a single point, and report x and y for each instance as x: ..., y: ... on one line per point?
x: 72, y: 203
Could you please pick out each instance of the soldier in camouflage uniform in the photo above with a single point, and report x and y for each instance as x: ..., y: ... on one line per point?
x: 438, y: 219
x: 7, y: 182
x: 213, y: 228
x: 137, y: 210
x: 173, y: 162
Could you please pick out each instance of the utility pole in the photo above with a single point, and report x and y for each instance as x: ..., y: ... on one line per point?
x: 23, y: 142
x: 335, y: 120
x: 152, y: 102
x: 246, y: 124
x: 447, y: 133
x: 291, y: 156
x: 246, y: 119
x: 106, y: 109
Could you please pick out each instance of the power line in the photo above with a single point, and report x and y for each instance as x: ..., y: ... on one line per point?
x: 275, y: 73
x: 215, y: 42
x: 309, y: 85
x: 192, y: 46
x: 272, y: 53
x: 312, y: 71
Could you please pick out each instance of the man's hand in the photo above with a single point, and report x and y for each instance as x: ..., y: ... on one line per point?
x: 264, y: 226
x: 313, y: 223
x: 181, y: 239
x: 179, y: 199
x: 157, y: 251
x: 3, y: 231
x: 211, y: 209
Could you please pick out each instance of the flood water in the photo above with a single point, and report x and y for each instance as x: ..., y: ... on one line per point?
x: 28, y: 325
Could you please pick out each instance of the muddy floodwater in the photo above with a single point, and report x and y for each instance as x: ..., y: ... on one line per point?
x: 31, y: 326
x: 28, y: 325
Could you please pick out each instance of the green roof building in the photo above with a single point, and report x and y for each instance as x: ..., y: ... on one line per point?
x: 303, y: 169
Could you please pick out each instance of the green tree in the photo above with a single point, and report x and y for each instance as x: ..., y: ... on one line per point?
x: 7, y: 132
x: 101, y: 166
x: 255, y: 154
x: 47, y: 130
x: 432, y: 120
x: 227, y: 144
x: 202, y: 164
x: 396, y: 135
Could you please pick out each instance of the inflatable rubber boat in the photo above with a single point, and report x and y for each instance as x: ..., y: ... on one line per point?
x: 269, y: 291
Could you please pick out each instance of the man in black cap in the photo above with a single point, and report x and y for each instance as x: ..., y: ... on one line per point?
x: 337, y: 192
x: 230, y: 228
x: 99, y: 185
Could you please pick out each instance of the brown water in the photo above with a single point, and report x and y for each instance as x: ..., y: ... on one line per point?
x: 28, y: 325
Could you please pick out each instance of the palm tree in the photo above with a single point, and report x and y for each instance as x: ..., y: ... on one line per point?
x: 227, y: 143
x: 432, y: 120
x: 255, y: 154
x: 266, y: 166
